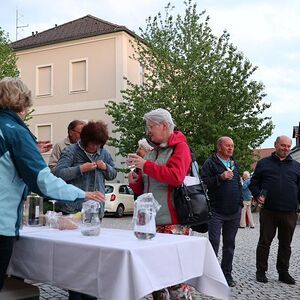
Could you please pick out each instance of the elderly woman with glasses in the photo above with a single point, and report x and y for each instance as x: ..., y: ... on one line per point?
x: 22, y: 168
x: 162, y: 170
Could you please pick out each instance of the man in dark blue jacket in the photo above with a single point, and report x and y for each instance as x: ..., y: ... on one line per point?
x: 220, y: 173
x: 275, y: 183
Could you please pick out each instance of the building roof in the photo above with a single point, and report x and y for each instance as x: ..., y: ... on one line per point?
x: 84, y: 27
x: 261, y: 153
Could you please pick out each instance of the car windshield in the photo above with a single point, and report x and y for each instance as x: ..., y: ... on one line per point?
x: 109, y: 189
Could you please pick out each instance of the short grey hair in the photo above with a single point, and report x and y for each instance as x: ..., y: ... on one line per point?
x: 222, y: 139
x: 246, y: 174
x: 158, y: 116
x: 14, y: 94
x: 282, y: 137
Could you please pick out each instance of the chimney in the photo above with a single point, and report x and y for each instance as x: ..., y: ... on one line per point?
x: 32, y: 33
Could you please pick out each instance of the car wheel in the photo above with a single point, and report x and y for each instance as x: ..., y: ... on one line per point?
x: 120, y: 211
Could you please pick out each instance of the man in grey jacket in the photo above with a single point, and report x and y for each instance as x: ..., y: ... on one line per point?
x: 74, y: 130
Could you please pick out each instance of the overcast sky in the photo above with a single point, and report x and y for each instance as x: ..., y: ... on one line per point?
x: 266, y: 31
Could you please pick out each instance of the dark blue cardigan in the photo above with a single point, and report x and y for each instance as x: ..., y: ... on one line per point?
x: 281, y: 179
x: 225, y: 195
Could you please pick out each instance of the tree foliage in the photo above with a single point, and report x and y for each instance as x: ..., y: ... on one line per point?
x: 203, y: 80
x: 8, y: 59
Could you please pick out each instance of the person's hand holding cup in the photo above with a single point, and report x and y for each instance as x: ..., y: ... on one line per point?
x: 130, y: 162
x: 135, y: 161
x: 133, y: 177
x: 227, y: 175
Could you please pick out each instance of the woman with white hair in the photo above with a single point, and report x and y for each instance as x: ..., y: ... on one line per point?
x: 162, y: 170
x: 247, y: 201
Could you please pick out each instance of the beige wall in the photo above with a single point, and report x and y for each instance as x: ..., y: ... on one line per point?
x: 107, y: 60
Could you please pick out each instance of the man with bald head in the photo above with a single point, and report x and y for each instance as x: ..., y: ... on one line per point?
x: 275, y: 184
x: 220, y: 173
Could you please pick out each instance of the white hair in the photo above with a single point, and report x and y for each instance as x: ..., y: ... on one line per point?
x: 158, y: 116
x: 144, y: 144
x: 246, y: 174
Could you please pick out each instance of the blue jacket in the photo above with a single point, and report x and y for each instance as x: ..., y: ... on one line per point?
x: 68, y: 168
x: 225, y: 195
x: 280, y: 179
x: 22, y: 168
x: 247, y: 196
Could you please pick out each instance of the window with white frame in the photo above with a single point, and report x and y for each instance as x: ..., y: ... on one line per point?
x: 142, y: 74
x: 78, y: 75
x: 44, y: 80
x: 44, y: 132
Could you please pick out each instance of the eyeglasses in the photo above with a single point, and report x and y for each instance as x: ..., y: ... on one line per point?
x: 149, y: 127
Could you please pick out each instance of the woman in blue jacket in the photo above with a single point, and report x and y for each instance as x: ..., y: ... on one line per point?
x: 22, y: 168
x: 86, y: 164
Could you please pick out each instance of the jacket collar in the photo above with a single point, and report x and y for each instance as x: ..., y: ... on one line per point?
x: 288, y: 158
x: 81, y: 147
x: 14, y: 117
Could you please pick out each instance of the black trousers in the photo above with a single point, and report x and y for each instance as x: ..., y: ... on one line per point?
x: 6, y: 247
x: 80, y: 296
x: 270, y: 221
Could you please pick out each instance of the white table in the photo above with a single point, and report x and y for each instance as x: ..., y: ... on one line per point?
x: 115, y: 265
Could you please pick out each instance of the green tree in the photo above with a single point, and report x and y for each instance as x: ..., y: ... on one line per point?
x: 204, y: 81
x: 8, y: 63
x: 8, y: 59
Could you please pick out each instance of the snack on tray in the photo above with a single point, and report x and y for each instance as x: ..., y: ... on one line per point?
x: 67, y: 223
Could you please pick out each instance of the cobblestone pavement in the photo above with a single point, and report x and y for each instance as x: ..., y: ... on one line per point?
x: 243, y: 268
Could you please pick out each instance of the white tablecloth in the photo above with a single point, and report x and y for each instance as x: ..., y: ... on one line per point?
x: 115, y: 265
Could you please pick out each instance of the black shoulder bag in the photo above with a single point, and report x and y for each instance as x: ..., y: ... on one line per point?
x: 192, y: 204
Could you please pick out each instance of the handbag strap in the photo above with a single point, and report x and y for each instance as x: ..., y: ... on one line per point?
x: 195, y: 173
x: 188, y: 200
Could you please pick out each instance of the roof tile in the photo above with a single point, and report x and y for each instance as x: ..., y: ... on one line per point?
x: 84, y: 27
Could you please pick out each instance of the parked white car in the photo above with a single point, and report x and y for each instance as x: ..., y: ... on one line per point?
x: 118, y: 199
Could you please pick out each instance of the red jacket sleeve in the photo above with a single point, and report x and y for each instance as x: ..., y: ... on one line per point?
x: 138, y: 187
x: 175, y: 170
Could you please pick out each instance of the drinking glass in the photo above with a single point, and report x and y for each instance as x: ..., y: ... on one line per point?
x: 231, y: 165
x: 262, y: 194
x: 129, y: 162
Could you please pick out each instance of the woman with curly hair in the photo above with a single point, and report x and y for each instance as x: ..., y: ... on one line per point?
x: 86, y: 164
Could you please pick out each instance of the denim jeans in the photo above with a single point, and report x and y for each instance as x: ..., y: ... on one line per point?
x: 227, y: 225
